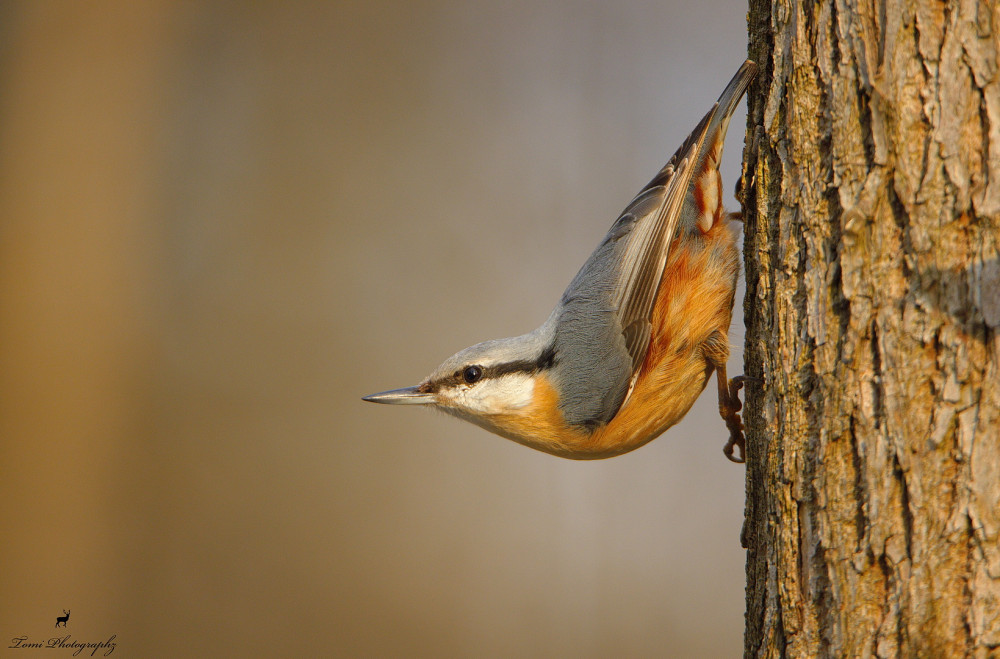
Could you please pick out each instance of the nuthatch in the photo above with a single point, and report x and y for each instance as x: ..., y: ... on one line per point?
x: 636, y: 336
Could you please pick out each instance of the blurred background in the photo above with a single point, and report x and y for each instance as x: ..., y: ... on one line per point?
x: 223, y: 223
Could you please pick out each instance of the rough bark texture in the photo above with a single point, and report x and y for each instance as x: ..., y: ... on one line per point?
x: 873, y: 326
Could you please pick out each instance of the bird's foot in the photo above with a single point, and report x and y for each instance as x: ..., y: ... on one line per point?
x: 729, y: 408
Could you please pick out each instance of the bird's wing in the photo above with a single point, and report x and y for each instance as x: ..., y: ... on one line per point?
x: 628, y: 267
x: 645, y: 254
x: 653, y: 215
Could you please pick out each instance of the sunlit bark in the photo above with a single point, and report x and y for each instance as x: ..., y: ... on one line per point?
x: 873, y: 329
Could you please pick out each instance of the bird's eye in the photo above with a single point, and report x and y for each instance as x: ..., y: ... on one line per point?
x: 472, y: 374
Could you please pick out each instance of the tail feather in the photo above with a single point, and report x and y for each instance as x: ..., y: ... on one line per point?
x: 730, y: 98
x: 714, y: 122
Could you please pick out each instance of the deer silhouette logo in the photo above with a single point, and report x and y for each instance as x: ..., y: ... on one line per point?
x: 63, y: 619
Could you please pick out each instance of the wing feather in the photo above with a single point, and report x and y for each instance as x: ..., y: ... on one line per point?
x: 648, y: 245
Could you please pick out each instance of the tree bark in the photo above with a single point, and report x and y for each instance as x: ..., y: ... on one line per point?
x: 872, y: 194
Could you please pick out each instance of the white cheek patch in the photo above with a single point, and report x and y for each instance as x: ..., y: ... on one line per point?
x: 496, y: 395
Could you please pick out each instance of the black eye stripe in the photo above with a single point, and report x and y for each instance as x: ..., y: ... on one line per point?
x: 545, y: 361
x: 523, y: 366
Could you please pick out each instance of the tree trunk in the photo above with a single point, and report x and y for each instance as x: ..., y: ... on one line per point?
x: 872, y: 192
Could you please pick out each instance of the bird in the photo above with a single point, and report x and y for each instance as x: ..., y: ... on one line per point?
x: 636, y: 336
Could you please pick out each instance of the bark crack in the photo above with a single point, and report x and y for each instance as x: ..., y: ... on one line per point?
x: 967, y: 586
x: 877, y: 392
x: 906, y: 512
x: 860, y: 496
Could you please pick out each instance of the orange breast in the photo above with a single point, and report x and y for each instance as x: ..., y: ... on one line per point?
x: 695, y: 301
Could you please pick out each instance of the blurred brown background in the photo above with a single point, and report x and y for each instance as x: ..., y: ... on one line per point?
x: 221, y: 224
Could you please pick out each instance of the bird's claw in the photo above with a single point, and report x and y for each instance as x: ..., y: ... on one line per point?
x: 730, y: 410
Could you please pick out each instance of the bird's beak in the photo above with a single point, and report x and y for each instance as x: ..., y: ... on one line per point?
x: 404, y: 396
